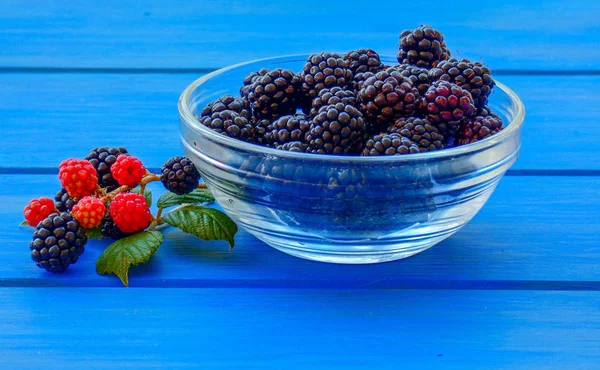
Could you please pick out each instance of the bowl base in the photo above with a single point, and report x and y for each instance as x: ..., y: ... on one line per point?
x: 352, y: 253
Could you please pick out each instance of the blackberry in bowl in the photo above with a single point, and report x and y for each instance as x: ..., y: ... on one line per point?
x: 348, y: 207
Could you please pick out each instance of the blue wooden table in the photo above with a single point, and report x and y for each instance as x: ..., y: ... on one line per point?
x: 517, y: 288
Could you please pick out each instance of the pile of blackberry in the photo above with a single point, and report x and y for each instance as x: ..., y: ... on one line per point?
x: 353, y: 104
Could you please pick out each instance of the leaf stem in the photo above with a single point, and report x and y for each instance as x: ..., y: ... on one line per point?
x: 150, y: 177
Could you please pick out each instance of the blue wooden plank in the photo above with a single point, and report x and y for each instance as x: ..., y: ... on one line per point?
x: 513, y: 34
x: 48, y: 117
x: 534, y: 233
x: 297, y: 329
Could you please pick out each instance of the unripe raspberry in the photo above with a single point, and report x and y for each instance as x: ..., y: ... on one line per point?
x: 89, y: 211
x: 38, y: 209
x: 128, y: 170
x: 78, y: 177
x: 130, y: 212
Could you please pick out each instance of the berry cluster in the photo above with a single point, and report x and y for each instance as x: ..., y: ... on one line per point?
x: 101, y: 192
x: 353, y: 104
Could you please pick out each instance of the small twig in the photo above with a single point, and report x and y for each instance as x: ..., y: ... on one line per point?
x: 114, y: 193
x: 149, y: 178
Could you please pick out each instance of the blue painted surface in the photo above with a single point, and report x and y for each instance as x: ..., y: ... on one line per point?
x: 517, y: 288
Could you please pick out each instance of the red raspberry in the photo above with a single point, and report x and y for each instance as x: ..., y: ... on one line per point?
x: 89, y: 211
x: 38, y: 209
x: 130, y: 212
x: 128, y: 170
x: 78, y: 177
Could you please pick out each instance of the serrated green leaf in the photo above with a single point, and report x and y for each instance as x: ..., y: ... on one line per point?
x: 147, y: 195
x: 94, y: 233
x: 24, y: 223
x: 132, y: 250
x: 203, y: 222
x: 169, y: 199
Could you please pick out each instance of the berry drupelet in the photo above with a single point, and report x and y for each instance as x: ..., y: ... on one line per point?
x: 385, y: 97
x: 102, y: 159
x: 475, y: 77
x: 389, y: 144
x: 324, y: 70
x: 287, y: 129
x: 337, y: 129
x: 275, y: 94
x: 446, y: 106
x: 229, y: 123
x: 179, y: 175
x: 478, y: 128
x: 330, y: 96
x: 420, y: 131
x: 58, y: 241
x: 424, y: 47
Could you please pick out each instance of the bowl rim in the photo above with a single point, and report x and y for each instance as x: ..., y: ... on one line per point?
x: 192, y: 122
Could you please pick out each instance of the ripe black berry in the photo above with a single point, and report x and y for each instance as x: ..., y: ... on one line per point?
x: 324, y: 70
x: 446, y: 106
x: 385, y: 97
x: 229, y: 123
x: 58, y: 241
x: 287, y: 129
x: 250, y: 79
x: 330, y: 96
x: 363, y: 60
x: 110, y: 229
x: 293, y: 146
x: 389, y: 144
x: 63, y: 201
x: 337, y: 129
x: 424, y: 47
x: 475, y: 77
x: 228, y: 102
x: 420, y: 131
x: 179, y: 175
x: 417, y: 75
x: 275, y: 94
x: 478, y: 128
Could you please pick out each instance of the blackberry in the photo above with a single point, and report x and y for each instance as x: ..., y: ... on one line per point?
x: 293, y: 146
x: 111, y: 230
x: 337, y: 129
x: 229, y: 123
x: 389, y: 144
x: 179, y: 175
x: 476, y: 78
x: 387, y: 96
x: 424, y: 47
x: 58, y: 241
x: 478, y: 128
x: 102, y: 159
x: 363, y: 60
x: 332, y: 96
x: 417, y: 75
x: 287, y: 129
x: 228, y: 102
x: 420, y: 131
x: 324, y: 70
x: 447, y: 105
x: 250, y: 79
x: 63, y: 201
x: 275, y: 94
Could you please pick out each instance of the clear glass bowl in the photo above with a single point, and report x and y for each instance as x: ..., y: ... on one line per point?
x: 338, y: 208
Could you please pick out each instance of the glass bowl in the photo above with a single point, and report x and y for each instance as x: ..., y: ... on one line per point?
x: 345, y: 209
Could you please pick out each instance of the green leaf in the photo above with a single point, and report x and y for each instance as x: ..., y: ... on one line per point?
x: 94, y: 233
x: 24, y: 223
x: 169, y: 199
x: 147, y: 195
x: 132, y: 250
x: 203, y: 222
